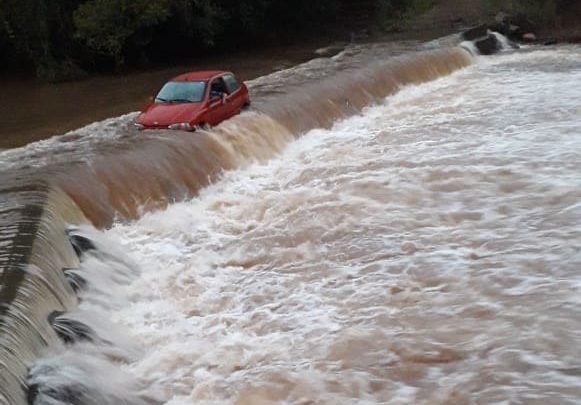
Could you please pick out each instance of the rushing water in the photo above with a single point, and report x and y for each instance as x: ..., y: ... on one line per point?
x: 425, y: 251
x: 113, y: 171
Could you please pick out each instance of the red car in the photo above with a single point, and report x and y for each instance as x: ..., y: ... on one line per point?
x: 195, y: 100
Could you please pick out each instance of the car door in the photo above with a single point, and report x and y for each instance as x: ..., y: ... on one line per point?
x: 236, y: 97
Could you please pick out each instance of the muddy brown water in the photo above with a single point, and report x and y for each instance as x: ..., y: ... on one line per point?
x: 33, y: 111
x: 114, y: 171
x: 426, y: 251
x: 396, y: 224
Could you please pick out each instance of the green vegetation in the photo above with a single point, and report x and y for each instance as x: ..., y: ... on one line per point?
x: 61, y: 39
x: 544, y: 13
x: 541, y: 11
x: 111, y: 26
x: 393, y: 15
x: 58, y: 38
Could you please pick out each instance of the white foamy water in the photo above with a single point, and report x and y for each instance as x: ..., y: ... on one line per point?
x: 426, y: 251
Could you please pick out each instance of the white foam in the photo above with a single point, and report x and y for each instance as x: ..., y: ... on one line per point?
x: 421, y: 252
x: 416, y: 253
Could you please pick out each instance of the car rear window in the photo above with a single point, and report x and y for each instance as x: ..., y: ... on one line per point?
x: 232, y: 83
x: 184, y: 92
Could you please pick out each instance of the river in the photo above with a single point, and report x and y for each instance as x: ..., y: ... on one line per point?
x: 425, y: 250
x: 34, y: 111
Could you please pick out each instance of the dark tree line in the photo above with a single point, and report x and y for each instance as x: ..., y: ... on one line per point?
x: 61, y: 39
x: 57, y: 39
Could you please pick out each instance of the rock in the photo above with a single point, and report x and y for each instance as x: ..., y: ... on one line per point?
x: 513, y: 27
x: 500, y: 28
x: 501, y: 17
x: 488, y: 46
x: 529, y: 37
x: 502, y: 24
x: 473, y: 33
x: 525, y: 25
x: 519, y: 26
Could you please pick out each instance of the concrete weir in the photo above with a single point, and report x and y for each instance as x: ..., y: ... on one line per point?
x: 122, y: 177
x: 34, y: 251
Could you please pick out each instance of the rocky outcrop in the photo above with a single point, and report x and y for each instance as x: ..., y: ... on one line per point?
x: 487, y: 42
x: 514, y: 27
x: 488, y: 45
x: 483, y: 39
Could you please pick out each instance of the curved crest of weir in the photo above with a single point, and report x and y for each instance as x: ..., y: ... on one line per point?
x: 109, y: 172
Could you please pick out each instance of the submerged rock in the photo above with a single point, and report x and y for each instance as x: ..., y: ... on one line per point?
x: 75, y: 280
x: 70, y: 330
x: 80, y: 243
x: 489, y: 45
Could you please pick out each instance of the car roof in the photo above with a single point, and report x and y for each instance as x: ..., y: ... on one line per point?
x: 199, y: 75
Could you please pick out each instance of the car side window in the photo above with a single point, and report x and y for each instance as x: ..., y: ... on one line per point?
x: 231, y: 82
x: 217, y: 87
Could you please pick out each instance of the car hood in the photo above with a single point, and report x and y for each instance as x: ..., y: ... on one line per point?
x: 163, y: 114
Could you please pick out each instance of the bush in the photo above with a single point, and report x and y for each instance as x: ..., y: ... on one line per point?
x: 111, y: 26
x: 57, y: 36
x: 540, y: 12
x: 393, y: 15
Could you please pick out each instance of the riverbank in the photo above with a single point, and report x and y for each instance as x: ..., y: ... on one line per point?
x: 38, y: 111
x: 453, y: 15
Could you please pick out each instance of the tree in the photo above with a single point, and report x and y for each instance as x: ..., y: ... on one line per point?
x: 56, y: 36
x: 393, y: 15
x: 112, y: 26
x: 40, y: 30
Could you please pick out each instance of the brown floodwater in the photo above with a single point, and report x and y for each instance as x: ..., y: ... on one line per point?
x: 399, y: 223
x: 114, y: 171
x: 426, y: 251
x: 33, y: 111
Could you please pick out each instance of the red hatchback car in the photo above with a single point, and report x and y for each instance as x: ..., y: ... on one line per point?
x: 195, y: 100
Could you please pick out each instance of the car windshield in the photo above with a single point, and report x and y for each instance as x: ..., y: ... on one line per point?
x: 181, y: 92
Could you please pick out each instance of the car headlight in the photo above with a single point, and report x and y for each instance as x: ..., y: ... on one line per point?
x: 184, y: 126
x: 138, y: 125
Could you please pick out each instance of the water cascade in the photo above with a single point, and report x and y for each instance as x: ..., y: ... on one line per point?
x: 59, y: 277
